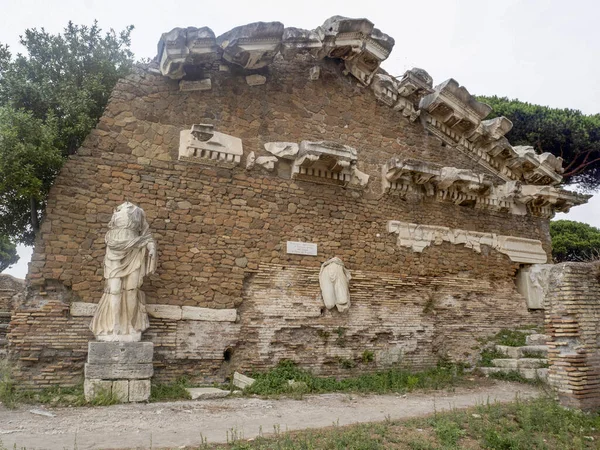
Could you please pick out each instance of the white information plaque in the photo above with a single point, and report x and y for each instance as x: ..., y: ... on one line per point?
x: 302, y: 248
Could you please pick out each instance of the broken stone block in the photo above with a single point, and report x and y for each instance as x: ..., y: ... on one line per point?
x: 182, y: 47
x: 256, y: 80
x: 242, y: 381
x: 298, y: 40
x: 196, y: 85
x: 285, y: 150
x: 314, y: 73
x: 537, y: 339
x: 139, y: 390
x: 94, y: 387
x: 206, y: 393
x: 266, y: 162
x: 120, y: 390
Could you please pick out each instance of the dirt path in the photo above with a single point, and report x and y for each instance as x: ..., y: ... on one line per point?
x: 177, y: 424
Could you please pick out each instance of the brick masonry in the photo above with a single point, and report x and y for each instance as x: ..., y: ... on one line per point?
x: 222, y: 235
x: 573, y: 324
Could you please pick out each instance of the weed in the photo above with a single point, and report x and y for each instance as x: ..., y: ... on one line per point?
x: 488, y: 355
x: 533, y: 354
x: 368, y: 356
x: 514, y: 376
x: 510, y: 338
x: 341, y: 339
x: 275, y: 381
x: 448, y: 431
x: 170, y: 391
x: 346, y: 363
x: 8, y: 395
x: 105, y: 397
x: 535, y: 424
x: 54, y: 395
x: 323, y: 334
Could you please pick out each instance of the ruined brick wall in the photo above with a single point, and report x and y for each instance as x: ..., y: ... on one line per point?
x: 9, y: 287
x: 573, y: 324
x: 221, y: 233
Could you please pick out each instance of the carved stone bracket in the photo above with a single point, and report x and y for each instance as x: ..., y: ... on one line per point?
x: 203, y: 145
x: 187, y: 46
x: 452, y: 105
x: 252, y: 46
x: 418, y: 237
x: 323, y: 162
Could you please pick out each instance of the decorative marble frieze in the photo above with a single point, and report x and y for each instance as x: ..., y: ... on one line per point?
x: 448, y: 110
x: 467, y: 188
x: 357, y: 42
x: 460, y: 185
x: 203, y: 145
x: 418, y: 237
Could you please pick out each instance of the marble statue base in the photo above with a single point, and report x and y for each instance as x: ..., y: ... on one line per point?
x: 121, y: 368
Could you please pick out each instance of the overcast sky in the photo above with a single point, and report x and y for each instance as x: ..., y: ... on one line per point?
x: 540, y: 51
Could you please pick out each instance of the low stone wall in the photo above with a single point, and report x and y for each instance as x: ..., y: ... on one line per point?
x: 394, y: 319
x: 572, y: 301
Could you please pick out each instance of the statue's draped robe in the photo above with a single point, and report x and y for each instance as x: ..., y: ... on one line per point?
x: 333, y: 279
x: 124, y: 313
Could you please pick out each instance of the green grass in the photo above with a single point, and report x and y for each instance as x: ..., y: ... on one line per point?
x: 160, y: 392
x: 526, y: 425
x: 275, y: 381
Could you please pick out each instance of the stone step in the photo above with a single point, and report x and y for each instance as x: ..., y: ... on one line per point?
x: 4, y: 326
x: 537, y: 339
x: 521, y: 363
x: 520, y: 352
x: 530, y: 374
x: 4, y: 315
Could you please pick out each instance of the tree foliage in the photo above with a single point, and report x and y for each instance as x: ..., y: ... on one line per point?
x: 574, y: 241
x: 8, y: 253
x: 50, y: 99
x: 567, y: 133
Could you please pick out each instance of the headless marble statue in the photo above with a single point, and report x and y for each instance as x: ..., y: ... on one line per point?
x: 333, y: 279
x: 130, y: 255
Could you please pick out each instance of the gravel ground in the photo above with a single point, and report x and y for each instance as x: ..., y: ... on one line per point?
x: 186, y: 423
